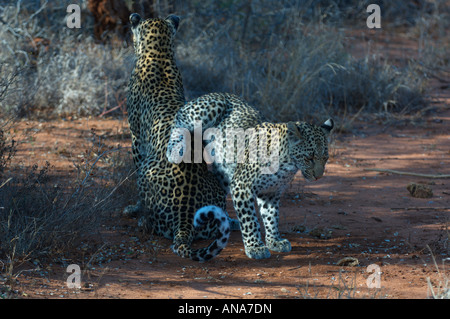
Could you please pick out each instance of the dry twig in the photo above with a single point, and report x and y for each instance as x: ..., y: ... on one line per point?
x: 406, y: 173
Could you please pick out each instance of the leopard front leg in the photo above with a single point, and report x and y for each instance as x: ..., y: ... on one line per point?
x: 183, y: 236
x: 244, y: 204
x: 182, y: 245
x: 269, y: 209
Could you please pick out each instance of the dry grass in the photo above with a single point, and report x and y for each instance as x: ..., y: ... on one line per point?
x: 291, y: 64
x: 63, y: 71
x: 286, y: 58
x: 44, y: 215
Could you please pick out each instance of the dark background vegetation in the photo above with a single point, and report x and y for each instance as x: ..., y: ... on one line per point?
x: 287, y: 58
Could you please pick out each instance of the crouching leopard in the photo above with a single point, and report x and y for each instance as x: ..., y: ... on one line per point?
x: 257, y: 170
x: 181, y: 202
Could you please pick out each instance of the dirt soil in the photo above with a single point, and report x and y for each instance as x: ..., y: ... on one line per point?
x: 351, y: 212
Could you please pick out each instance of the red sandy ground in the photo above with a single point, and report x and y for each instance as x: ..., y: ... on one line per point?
x: 350, y: 212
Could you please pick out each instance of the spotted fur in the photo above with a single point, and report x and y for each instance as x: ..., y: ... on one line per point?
x: 302, y: 146
x: 170, y: 195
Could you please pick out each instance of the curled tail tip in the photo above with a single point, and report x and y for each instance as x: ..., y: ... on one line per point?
x: 208, y: 213
x: 212, y: 214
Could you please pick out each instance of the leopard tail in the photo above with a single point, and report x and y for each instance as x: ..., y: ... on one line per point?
x: 204, y: 216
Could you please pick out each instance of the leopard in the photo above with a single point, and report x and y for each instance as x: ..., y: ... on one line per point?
x: 263, y: 172
x: 184, y: 202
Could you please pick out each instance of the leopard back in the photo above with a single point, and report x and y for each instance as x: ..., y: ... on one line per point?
x: 181, y: 202
x: 156, y: 87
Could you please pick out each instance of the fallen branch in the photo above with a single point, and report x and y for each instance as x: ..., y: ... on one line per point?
x: 406, y: 173
x: 443, y: 209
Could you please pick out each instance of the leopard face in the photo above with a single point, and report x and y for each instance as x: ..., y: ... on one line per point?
x: 308, y: 147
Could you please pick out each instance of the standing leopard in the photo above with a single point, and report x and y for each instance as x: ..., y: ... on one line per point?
x: 258, y: 170
x: 180, y: 202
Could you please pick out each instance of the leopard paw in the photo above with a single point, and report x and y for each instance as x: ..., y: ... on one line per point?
x: 281, y: 246
x: 257, y: 252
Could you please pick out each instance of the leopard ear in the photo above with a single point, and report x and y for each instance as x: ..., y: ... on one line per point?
x: 292, y: 127
x: 135, y: 19
x: 174, y: 20
x: 328, y: 125
x: 296, y: 137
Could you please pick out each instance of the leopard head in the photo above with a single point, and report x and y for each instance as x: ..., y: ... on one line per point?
x: 308, y: 147
x: 153, y: 38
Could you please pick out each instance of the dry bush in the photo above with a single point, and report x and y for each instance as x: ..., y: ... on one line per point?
x: 45, y: 215
x: 284, y: 57
x: 290, y: 63
x: 7, y: 152
x: 113, y: 15
x: 63, y: 71
x: 41, y: 213
x: 109, y: 15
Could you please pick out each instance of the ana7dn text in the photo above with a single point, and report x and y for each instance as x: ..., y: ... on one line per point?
x: 226, y: 308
